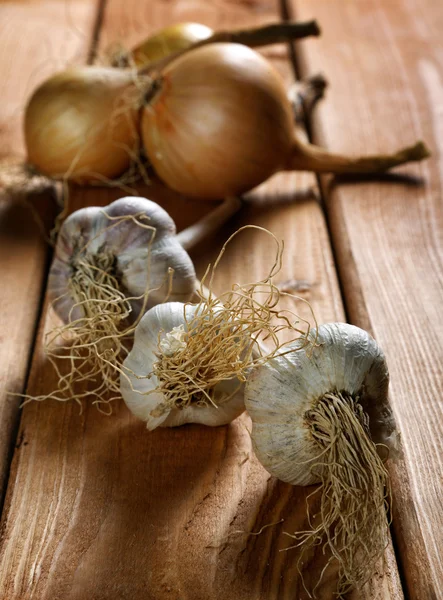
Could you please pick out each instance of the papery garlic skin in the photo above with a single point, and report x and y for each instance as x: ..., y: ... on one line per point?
x: 279, y: 393
x: 141, y: 261
x: 134, y: 385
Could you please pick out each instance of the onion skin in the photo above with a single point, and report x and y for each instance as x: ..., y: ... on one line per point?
x: 219, y: 124
x: 83, y: 124
x: 167, y: 41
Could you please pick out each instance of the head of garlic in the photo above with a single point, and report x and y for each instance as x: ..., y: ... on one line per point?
x: 322, y: 416
x: 163, y: 333
x: 135, y: 257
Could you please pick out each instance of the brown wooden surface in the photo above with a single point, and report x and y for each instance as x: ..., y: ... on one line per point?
x: 383, y: 60
x: 36, y: 38
x: 98, y: 507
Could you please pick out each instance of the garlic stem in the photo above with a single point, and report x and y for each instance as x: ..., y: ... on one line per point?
x: 193, y: 235
x: 255, y: 37
x: 308, y: 157
x: 203, y: 292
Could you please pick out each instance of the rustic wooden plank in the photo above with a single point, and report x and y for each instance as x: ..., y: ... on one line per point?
x: 383, y: 61
x: 36, y: 39
x: 98, y: 507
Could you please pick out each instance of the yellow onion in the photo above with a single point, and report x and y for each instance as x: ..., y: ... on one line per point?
x: 218, y: 122
x: 167, y: 41
x: 83, y: 124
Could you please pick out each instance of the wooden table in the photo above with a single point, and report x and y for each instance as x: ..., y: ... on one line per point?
x: 97, y: 508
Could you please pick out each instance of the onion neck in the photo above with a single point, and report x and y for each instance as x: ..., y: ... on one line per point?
x: 308, y: 157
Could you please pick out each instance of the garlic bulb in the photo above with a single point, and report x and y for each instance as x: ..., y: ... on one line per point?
x: 322, y: 416
x: 105, y: 239
x: 218, y: 122
x: 163, y: 334
x: 110, y: 265
x: 83, y: 125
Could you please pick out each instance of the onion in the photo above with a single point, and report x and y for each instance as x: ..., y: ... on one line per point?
x: 83, y: 124
x: 167, y: 41
x: 218, y: 122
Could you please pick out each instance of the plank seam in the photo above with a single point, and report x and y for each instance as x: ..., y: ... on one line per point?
x: 92, y: 54
x: 287, y: 15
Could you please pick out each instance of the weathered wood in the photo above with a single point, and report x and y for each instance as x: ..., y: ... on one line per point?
x: 36, y: 38
x: 383, y: 61
x: 98, y: 507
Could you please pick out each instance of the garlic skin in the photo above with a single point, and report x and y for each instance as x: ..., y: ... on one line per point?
x: 82, y: 124
x: 279, y: 393
x: 137, y: 263
x: 170, y: 318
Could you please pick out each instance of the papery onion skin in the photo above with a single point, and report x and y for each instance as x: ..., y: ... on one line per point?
x: 167, y: 41
x: 219, y: 124
x: 83, y: 125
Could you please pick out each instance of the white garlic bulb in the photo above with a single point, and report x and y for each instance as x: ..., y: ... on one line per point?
x: 134, y: 255
x: 281, y: 393
x: 162, y: 332
x: 129, y: 252
x: 322, y: 415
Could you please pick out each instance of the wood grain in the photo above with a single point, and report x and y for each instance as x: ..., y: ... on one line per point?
x: 100, y: 508
x: 383, y: 61
x: 36, y: 38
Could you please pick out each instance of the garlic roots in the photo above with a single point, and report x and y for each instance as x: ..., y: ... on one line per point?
x: 323, y: 416
x: 189, y: 363
x: 175, y: 375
